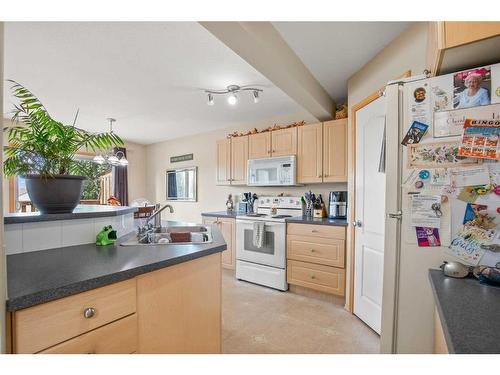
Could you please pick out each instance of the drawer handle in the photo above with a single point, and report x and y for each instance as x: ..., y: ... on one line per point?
x: 314, y: 231
x: 89, y: 312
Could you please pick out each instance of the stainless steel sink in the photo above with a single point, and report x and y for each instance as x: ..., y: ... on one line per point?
x: 199, y: 234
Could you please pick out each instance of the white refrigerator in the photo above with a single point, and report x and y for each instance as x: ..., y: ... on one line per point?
x: 429, y: 167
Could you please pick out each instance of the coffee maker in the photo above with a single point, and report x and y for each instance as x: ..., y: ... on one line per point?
x: 337, y: 206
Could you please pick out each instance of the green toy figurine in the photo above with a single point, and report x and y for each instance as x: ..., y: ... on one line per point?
x: 105, y: 237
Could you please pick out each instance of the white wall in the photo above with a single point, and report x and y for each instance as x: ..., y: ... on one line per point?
x: 210, y: 196
x: 407, y: 52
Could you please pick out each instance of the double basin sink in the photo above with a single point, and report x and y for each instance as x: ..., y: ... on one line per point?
x: 174, y: 235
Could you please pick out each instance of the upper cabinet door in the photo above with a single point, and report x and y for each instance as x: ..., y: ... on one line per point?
x: 310, y: 153
x: 463, y: 32
x: 259, y: 145
x: 335, y: 151
x: 223, y: 173
x: 239, y: 157
x: 284, y: 142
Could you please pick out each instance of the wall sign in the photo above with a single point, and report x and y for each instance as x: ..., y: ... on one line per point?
x: 179, y: 158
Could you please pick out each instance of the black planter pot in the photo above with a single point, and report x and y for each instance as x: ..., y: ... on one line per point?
x: 59, y: 194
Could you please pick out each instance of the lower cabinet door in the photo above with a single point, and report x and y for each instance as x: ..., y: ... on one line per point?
x: 119, y: 337
x: 316, y: 276
x: 226, y: 227
x: 179, y: 308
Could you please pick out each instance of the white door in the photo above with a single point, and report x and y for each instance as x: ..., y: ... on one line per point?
x: 369, y: 214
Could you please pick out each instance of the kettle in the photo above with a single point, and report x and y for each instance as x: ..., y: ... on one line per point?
x: 456, y: 269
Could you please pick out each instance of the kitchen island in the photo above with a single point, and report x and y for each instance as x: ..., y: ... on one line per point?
x: 146, y: 299
x: 466, y: 315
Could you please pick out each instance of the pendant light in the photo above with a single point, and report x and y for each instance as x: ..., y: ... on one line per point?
x: 117, y: 159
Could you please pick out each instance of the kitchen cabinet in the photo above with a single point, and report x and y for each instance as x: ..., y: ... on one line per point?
x: 475, y: 38
x: 440, y: 346
x: 223, y: 163
x: 321, y: 151
x: 335, y: 151
x: 115, y: 338
x: 227, y: 228
x: 316, y: 257
x: 259, y: 145
x: 176, y: 309
x: 310, y: 153
x: 179, y: 308
x: 284, y: 142
x: 239, y: 159
x: 42, y: 326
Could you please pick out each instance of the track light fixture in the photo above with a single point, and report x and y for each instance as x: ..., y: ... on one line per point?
x: 210, y: 99
x: 232, y: 99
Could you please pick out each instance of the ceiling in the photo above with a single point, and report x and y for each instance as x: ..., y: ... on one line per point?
x: 148, y: 76
x: 334, y: 51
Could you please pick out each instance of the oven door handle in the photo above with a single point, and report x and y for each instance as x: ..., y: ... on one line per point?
x: 267, y: 223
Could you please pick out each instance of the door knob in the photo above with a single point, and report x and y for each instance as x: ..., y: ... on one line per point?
x: 357, y: 223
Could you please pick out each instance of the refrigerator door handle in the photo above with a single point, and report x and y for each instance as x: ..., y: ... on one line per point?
x: 398, y: 215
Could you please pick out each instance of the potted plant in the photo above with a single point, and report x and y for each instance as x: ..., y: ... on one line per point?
x: 42, y: 150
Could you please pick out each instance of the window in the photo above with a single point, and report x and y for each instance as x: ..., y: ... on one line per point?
x: 96, y: 189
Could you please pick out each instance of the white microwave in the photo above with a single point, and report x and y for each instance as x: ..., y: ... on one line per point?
x: 279, y: 171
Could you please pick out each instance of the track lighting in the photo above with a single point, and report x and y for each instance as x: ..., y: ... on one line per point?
x: 232, y: 99
x: 256, y: 97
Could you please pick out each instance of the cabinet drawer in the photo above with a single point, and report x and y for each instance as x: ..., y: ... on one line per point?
x: 326, y: 231
x: 315, y: 276
x: 119, y: 337
x: 43, y: 326
x: 327, y: 251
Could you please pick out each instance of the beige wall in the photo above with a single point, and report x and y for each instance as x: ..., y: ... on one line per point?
x: 210, y: 196
x: 3, y: 272
x: 407, y: 52
x: 136, y: 156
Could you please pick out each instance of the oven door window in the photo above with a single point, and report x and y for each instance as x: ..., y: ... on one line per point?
x: 267, y: 246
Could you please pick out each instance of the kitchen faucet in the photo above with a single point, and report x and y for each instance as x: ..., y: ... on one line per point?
x: 146, y: 232
x: 157, y: 215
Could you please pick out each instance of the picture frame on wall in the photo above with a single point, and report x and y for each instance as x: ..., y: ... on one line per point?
x: 450, y: 123
x: 437, y: 155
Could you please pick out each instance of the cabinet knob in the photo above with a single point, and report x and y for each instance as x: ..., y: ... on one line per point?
x: 312, y: 250
x: 314, y: 231
x: 89, y: 312
x: 313, y: 277
x: 326, y: 175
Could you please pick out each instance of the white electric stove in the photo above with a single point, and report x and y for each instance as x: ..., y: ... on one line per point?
x: 265, y: 265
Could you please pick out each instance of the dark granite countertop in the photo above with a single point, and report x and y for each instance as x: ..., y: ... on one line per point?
x: 230, y: 214
x: 41, y: 276
x: 469, y: 313
x: 317, y: 221
x: 82, y: 211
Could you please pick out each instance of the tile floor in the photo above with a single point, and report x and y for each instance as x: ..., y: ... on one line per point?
x: 256, y: 319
